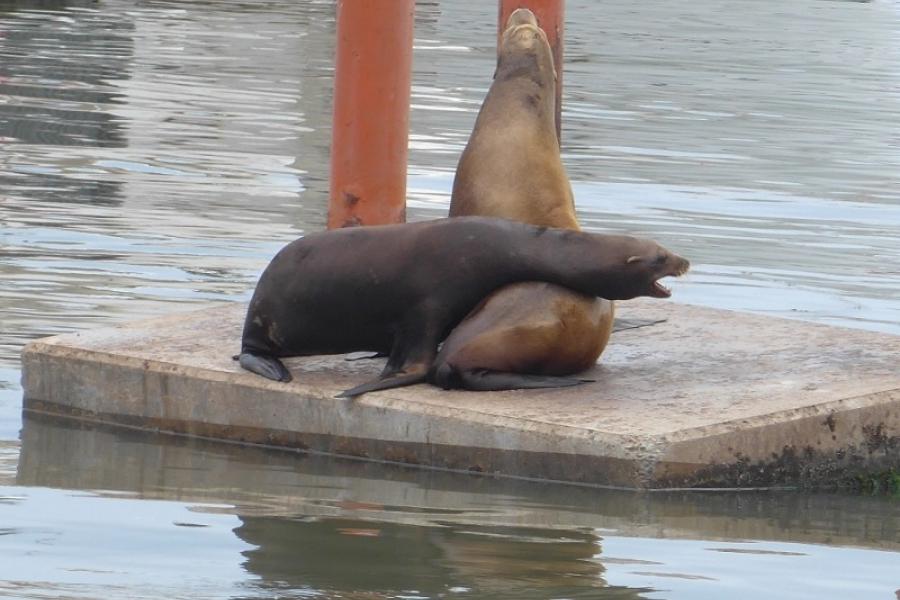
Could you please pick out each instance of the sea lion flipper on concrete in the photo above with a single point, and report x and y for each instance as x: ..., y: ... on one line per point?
x: 482, y: 380
x: 621, y: 324
x: 412, y: 354
x: 393, y: 381
x: 491, y: 381
x: 267, y: 366
x: 355, y: 356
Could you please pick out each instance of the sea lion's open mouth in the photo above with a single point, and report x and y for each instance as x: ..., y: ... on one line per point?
x: 658, y: 290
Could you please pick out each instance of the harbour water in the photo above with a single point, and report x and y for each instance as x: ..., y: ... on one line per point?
x: 156, y: 154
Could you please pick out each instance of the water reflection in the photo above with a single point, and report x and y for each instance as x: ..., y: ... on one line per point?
x: 744, y: 138
x: 512, y: 562
x: 57, y: 70
x: 169, y: 170
x: 261, y: 482
x: 99, y: 550
x: 409, y: 532
x: 159, y: 152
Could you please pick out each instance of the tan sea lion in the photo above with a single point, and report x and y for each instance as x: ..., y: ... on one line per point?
x: 511, y: 168
x: 400, y: 289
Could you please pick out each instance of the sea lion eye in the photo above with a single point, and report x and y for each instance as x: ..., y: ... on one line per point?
x: 659, y: 260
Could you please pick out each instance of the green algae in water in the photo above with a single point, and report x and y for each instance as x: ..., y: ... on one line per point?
x: 886, y: 482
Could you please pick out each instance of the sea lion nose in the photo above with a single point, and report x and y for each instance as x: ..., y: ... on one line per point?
x: 525, y: 37
x: 521, y: 16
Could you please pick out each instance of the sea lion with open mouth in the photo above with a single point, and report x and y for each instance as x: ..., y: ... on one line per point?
x: 400, y: 289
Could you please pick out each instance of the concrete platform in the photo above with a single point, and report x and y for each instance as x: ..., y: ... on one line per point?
x: 707, y: 398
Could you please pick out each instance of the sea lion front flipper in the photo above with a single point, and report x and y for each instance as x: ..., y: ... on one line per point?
x: 355, y: 356
x: 395, y: 380
x: 482, y: 380
x: 267, y: 366
x: 490, y: 381
x: 413, y: 352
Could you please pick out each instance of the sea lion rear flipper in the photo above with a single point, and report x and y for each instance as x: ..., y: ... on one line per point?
x: 354, y: 356
x: 621, y: 324
x: 393, y: 381
x: 267, y: 366
x: 490, y: 381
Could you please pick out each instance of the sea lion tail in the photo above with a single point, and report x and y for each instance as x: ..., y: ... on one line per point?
x: 267, y: 366
x: 393, y: 381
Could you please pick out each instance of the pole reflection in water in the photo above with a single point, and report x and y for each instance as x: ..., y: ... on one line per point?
x: 314, y: 523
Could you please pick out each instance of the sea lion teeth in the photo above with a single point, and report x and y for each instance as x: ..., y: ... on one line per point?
x: 661, y: 290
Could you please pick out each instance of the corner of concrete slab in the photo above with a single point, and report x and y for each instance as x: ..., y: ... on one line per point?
x: 830, y: 446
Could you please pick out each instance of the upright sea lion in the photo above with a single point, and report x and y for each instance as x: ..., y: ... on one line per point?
x: 397, y: 288
x: 511, y: 168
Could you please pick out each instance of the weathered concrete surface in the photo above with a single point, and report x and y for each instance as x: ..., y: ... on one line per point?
x: 707, y: 398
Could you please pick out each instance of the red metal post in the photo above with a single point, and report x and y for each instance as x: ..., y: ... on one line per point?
x: 551, y: 17
x: 371, y: 112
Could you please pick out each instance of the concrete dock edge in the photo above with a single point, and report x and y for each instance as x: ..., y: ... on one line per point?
x: 690, y: 402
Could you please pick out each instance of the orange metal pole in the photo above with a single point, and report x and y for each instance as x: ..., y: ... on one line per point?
x: 551, y: 17
x: 371, y: 112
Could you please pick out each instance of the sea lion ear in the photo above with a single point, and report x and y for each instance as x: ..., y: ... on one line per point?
x: 632, y: 259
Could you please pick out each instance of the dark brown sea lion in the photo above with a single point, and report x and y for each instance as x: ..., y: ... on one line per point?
x: 398, y: 289
x: 511, y: 168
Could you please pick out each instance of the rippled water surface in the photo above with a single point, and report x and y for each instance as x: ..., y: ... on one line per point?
x: 156, y: 154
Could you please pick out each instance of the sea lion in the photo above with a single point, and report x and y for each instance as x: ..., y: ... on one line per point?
x: 397, y: 288
x: 511, y: 168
